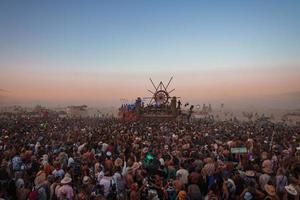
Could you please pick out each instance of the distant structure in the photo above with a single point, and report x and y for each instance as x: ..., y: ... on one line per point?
x: 161, y: 105
x: 77, y: 111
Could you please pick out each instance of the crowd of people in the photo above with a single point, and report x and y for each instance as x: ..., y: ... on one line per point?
x: 52, y: 158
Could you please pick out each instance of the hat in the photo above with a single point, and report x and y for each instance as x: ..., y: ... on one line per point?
x: 270, y: 189
x: 118, y: 162
x: 38, y: 144
x: 291, y: 190
x: 250, y: 173
x: 248, y: 196
x: 68, y: 175
x: 66, y: 180
x: 162, y: 162
x: 86, y: 180
x: 108, y: 153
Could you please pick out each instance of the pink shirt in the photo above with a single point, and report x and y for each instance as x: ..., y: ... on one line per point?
x: 65, y: 191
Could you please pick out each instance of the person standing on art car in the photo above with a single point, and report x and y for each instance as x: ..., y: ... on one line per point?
x: 190, y: 113
x: 179, y: 105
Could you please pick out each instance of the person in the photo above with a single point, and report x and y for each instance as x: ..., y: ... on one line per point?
x: 146, y: 158
x: 290, y: 193
x: 193, y: 192
x: 58, y: 172
x: 263, y: 180
x: 271, y: 192
x: 133, y: 191
x: 88, y: 187
x: 65, y: 191
x: 170, y: 191
x: 40, y: 186
x: 107, y: 183
x: 281, y: 182
x: 16, y: 162
x: 182, y: 174
x: 118, y: 179
x: 179, y: 104
x: 230, y: 187
x: 251, y: 193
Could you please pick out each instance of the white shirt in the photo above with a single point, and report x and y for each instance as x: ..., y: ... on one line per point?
x: 100, y: 176
x: 106, y: 181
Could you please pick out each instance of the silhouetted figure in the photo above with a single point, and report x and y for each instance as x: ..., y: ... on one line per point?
x: 179, y: 105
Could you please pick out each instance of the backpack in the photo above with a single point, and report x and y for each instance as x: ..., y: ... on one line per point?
x: 112, y: 191
x: 76, y: 168
x: 33, y: 194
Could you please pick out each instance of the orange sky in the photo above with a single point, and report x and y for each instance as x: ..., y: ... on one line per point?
x: 211, y: 84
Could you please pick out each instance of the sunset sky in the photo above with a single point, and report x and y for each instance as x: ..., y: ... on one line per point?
x: 73, y: 52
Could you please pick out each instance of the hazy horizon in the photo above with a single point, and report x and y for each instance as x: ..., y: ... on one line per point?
x: 243, y: 53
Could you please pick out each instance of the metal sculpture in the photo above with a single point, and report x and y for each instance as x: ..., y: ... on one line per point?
x: 161, y: 95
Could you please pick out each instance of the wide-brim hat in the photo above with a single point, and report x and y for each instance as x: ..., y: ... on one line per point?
x: 66, y: 180
x: 86, y: 180
x: 270, y: 189
x: 291, y: 190
x: 68, y: 175
x: 250, y: 173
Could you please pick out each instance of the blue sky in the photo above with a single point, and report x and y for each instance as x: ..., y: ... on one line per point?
x: 146, y: 37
